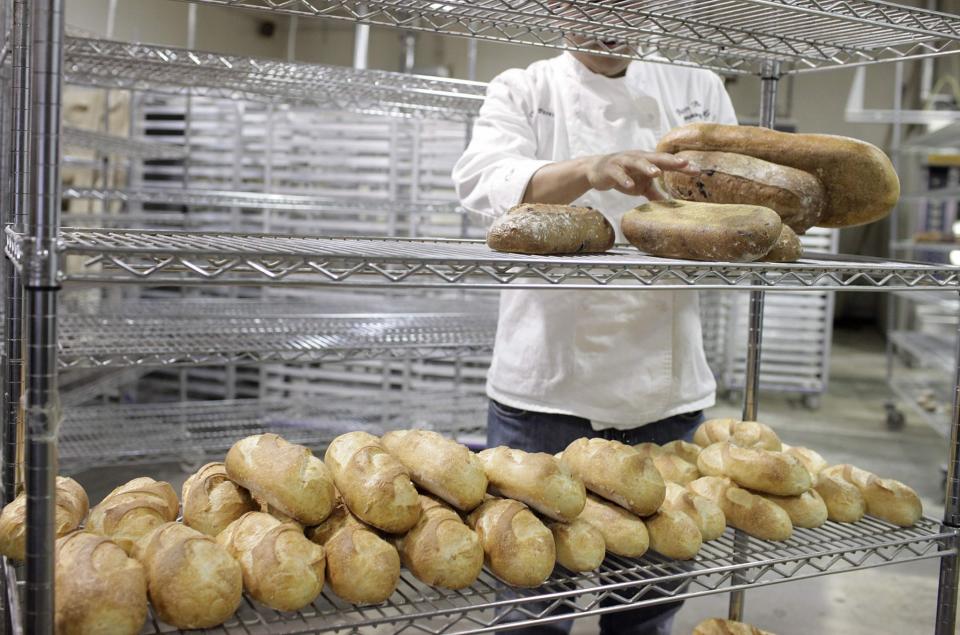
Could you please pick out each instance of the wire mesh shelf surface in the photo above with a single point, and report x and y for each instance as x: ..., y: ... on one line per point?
x: 112, y: 144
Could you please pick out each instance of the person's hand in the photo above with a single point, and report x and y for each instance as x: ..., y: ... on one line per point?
x: 634, y: 172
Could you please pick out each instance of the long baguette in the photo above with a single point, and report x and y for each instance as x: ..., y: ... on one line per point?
x: 536, y: 479
x: 746, y: 434
x: 706, y: 514
x: 580, y: 546
x: 517, y: 547
x: 672, y: 468
x: 72, y: 507
x: 760, y: 470
x: 745, y: 511
x: 845, y: 503
x: 673, y: 534
x: 684, y: 449
x: 808, y: 510
x: 623, y: 533
x: 811, y: 459
x: 886, y: 498
x: 133, y: 510
x: 616, y: 472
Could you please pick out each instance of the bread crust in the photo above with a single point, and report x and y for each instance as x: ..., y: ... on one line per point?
x: 788, y: 247
x: 211, y: 501
x: 753, y: 468
x: 71, y: 509
x: 133, y: 510
x: 536, y: 479
x: 517, y: 547
x: 441, y: 550
x: 624, y: 534
x: 617, y: 472
x: 537, y: 228
x: 745, y: 511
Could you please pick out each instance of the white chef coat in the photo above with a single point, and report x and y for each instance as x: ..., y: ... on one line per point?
x: 618, y: 358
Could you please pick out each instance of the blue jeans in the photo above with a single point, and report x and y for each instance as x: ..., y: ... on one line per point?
x: 542, y: 432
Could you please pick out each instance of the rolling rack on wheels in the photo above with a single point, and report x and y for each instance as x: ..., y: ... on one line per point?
x: 772, y: 37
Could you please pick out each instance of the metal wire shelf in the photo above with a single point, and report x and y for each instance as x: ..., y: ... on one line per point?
x: 926, y: 349
x: 111, y: 144
x: 184, y: 258
x: 730, y: 37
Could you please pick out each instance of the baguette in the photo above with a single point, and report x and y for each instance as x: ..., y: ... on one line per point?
x: 536, y: 228
x: 811, y: 459
x: 788, y: 247
x: 441, y: 550
x: 672, y: 468
x: 211, y: 501
x: 674, y: 534
x: 191, y: 580
x: 287, y: 476
x: 706, y: 514
x: 886, y: 498
x: 441, y: 466
x: 99, y: 589
x: 717, y: 626
x: 808, y: 510
x: 133, y: 510
x: 623, y: 533
x: 702, y: 231
x: 374, y: 485
x: 748, y: 512
x: 859, y: 181
x: 580, y: 546
x: 616, y: 472
x: 72, y: 507
x: 761, y: 470
x: 281, y: 568
x: 362, y: 567
x: 746, y: 434
x: 536, y: 479
x: 517, y: 547
x: 684, y: 449
x: 845, y: 503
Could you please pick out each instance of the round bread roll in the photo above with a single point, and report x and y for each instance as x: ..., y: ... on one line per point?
x: 760, y: 470
x: 672, y: 468
x: 673, y: 534
x: 624, y: 534
x: 517, y: 547
x: 808, y: 510
x: 616, y: 472
x: 580, y: 546
x: 286, y: 476
x: 702, y: 231
x: 191, y: 580
x: 281, y: 568
x: 886, y: 498
x: 211, y: 501
x: 811, y: 459
x: 706, y: 514
x: 684, y: 449
x: 746, y: 434
x: 788, y: 248
x: 845, y: 503
x: 536, y: 479
x: 748, y: 512
x: 717, y: 626
x: 536, y: 228
x: 374, y: 485
x: 72, y: 507
x: 441, y: 466
x: 362, y: 567
x: 133, y: 510
x: 99, y: 589
x: 441, y: 550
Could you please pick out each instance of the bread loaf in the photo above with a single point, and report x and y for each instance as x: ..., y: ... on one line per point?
x: 807, y: 510
x: 886, y: 498
x: 440, y: 549
x: 811, y: 459
x: 859, y: 181
x: 756, y: 469
x: 72, y: 506
x: 672, y: 468
x: 537, y: 479
x: 788, y: 248
x: 99, y: 589
x: 684, y: 449
x: 211, y: 501
x: 624, y: 534
x: 133, y: 510
x: 717, y: 626
x: 535, y: 228
x: 746, y: 434
x: 725, y: 177
x: 748, y: 512
x: 845, y: 503
x: 374, y: 485
x: 580, y: 546
x: 267, y: 508
x: 281, y: 568
x: 287, y: 476
x: 616, y: 472
x: 673, y: 534
x: 517, y: 547
x: 191, y: 580
x: 362, y: 567
x: 440, y: 466
x: 702, y: 231
x: 706, y: 514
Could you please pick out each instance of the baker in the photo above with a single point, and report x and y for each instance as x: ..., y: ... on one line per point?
x: 581, y: 129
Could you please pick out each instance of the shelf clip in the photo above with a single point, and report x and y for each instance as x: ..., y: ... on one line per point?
x: 37, y: 261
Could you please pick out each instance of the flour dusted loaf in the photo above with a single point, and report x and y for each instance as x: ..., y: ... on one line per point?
x: 518, y: 548
x: 580, y: 545
x: 616, y: 472
x: 748, y: 512
x: 374, y: 485
x: 811, y: 459
x: 133, y: 510
x: 672, y: 468
x: 886, y: 498
x: 705, y: 513
x: 673, y: 534
x: 859, y: 181
x: 535, y: 478
x: 72, y: 507
x: 808, y: 510
x: 717, y: 626
x: 624, y: 534
x: 684, y: 449
x: 536, y: 228
x: 99, y: 589
x: 702, y: 231
x: 441, y: 466
x: 788, y: 247
x: 286, y: 476
x: 725, y: 177
x: 761, y: 470
x: 746, y: 434
x: 845, y: 503
x: 211, y: 501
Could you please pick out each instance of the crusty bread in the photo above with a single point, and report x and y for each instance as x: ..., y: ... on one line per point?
x: 672, y: 468
x: 535, y: 478
x: 788, y: 247
x: 535, y: 228
x: 133, y: 510
x: 281, y: 568
x: 748, y: 512
x: 624, y: 534
x: 673, y: 534
x: 440, y: 549
x: 72, y: 507
x: 580, y: 546
x: 725, y: 177
x: 99, y: 589
x: 441, y: 466
x: 717, y: 626
x: 616, y: 472
x: 684, y: 449
x: 860, y: 183
x: 702, y: 231
x: 285, y: 475
x: 808, y: 510
x: 211, y: 501
x: 845, y: 503
x: 811, y: 459
x: 706, y: 514
x: 192, y: 581
x: 761, y: 470
x: 374, y: 485
x: 746, y: 434
x: 362, y: 567
x: 517, y: 547
x: 886, y: 498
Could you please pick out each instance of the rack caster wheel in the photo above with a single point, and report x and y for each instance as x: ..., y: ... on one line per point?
x: 895, y: 418
x: 811, y: 402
